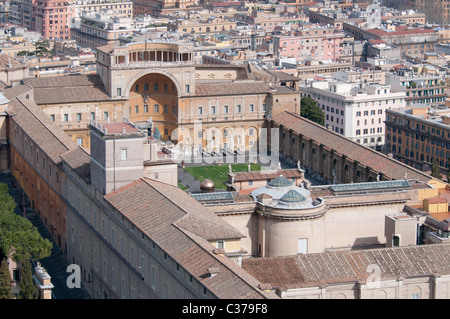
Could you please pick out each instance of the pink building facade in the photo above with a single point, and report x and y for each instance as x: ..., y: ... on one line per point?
x: 52, y: 18
x: 317, y: 43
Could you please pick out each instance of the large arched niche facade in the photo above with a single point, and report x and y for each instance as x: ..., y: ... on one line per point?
x: 154, y: 95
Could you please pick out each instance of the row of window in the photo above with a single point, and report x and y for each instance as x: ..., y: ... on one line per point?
x: 226, y: 109
x: 155, y: 87
x: 156, y: 109
x: 372, y: 112
x: 372, y: 130
x: 418, y: 127
x: 79, y: 116
x: 132, y: 254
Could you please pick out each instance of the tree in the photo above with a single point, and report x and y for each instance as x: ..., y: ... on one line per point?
x: 5, y: 281
x: 43, y: 48
x: 27, y: 288
x: 310, y: 109
x: 17, y: 234
x: 435, y: 171
x: 157, y: 134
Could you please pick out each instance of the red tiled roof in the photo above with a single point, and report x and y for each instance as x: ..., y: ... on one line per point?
x: 378, y: 162
x: 40, y: 128
x: 312, y: 270
x: 436, y: 200
x: 399, y: 31
x: 118, y: 127
x: 181, y: 226
x: 264, y: 175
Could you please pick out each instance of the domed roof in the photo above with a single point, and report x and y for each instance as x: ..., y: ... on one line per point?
x: 280, y: 181
x: 292, y: 197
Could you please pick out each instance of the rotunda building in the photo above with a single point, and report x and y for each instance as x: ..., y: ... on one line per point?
x: 289, y: 219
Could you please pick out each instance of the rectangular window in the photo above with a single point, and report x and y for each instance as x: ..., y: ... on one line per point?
x: 153, y: 277
x: 213, y: 109
x: 238, y: 108
x: 225, y: 109
x: 156, y: 108
x: 80, y: 141
x: 78, y: 117
x: 156, y: 87
x: 146, y: 87
x: 124, y: 154
x: 136, y: 109
x: 93, y: 116
x: 52, y: 117
x: 252, y: 108
x: 200, y: 110
x: 187, y: 88
x: 119, y: 92
x: 66, y: 117
x: 302, y: 246
x: 145, y: 108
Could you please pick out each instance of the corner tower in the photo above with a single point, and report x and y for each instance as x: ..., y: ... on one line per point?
x: 116, y: 155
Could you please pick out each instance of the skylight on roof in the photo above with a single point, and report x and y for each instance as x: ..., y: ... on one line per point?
x: 371, y: 186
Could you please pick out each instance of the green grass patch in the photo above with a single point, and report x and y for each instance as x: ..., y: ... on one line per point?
x: 180, y: 185
x: 218, y: 174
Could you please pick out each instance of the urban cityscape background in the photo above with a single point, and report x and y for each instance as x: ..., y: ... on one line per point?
x: 201, y: 149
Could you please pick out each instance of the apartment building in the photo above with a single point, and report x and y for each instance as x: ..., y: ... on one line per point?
x: 355, y: 111
x: 202, y: 25
x: 319, y: 43
x: 419, y: 134
x: 420, y: 87
x: 52, y: 18
x: 118, y: 8
x: 104, y: 28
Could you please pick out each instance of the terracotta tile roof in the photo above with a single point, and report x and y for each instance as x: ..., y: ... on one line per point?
x: 16, y: 91
x: 80, y: 161
x: 436, y: 200
x: 7, y: 60
x: 333, y: 267
x: 231, y: 88
x: 68, y: 89
x: 263, y: 175
x: 179, y: 225
x: 378, y: 162
x: 118, y: 127
x: 399, y: 31
x: 40, y: 128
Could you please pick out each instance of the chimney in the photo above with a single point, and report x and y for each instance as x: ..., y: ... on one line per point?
x: 212, y: 272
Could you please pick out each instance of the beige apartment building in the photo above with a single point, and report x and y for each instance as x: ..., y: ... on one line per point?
x: 202, y: 25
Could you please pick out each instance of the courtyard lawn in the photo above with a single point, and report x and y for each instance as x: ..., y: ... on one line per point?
x: 218, y: 174
x: 180, y: 185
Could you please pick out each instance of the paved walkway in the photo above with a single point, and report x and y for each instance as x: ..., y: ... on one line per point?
x: 56, y: 264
